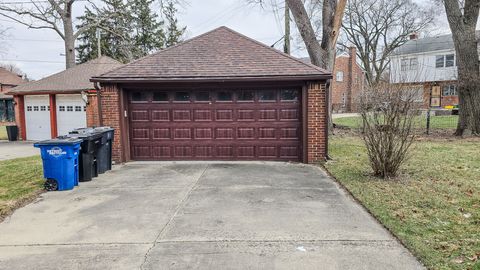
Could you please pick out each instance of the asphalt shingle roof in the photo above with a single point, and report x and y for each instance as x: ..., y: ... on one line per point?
x: 221, y: 54
x: 428, y: 44
x: 74, y: 79
x: 10, y: 78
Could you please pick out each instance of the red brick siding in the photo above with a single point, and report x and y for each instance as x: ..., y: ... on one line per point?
x: 110, y: 97
x: 92, y: 110
x: 20, y: 116
x: 351, y: 86
x: 316, y: 122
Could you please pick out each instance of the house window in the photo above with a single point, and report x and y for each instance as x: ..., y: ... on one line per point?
x: 61, y: 108
x: 339, y: 76
x: 449, y: 90
x: 246, y: 95
x: 139, y: 97
x: 160, y: 96
x: 202, y: 96
x: 78, y: 108
x: 266, y: 95
x: 29, y: 108
x: 224, y: 96
x: 344, y: 99
x: 413, y: 63
x: 289, y: 95
x: 69, y: 108
x: 439, y: 61
x: 35, y: 108
x: 449, y: 60
x: 182, y: 96
x: 84, y: 108
x: 43, y: 108
x: 404, y: 65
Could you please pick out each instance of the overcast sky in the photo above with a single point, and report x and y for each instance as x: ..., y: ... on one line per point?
x: 38, y: 52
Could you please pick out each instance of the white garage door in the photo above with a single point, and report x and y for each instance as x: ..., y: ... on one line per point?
x: 71, y: 113
x: 37, y: 117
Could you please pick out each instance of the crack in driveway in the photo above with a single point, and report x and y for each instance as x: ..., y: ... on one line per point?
x: 177, y: 209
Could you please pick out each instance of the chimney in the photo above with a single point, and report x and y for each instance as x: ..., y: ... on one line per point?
x: 352, y: 50
x: 413, y: 36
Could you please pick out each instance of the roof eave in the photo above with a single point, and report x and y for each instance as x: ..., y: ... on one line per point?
x: 319, y: 77
x: 45, y: 92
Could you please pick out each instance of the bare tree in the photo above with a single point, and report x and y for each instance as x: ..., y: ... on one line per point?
x: 378, y: 27
x: 389, y: 118
x: 50, y: 14
x: 462, y: 19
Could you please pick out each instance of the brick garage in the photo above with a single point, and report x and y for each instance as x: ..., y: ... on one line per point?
x: 219, y: 96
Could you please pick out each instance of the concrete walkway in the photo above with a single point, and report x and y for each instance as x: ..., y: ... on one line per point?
x: 200, y: 216
x: 11, y: 150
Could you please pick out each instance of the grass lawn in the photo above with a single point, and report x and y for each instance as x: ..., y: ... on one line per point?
x: 436, y: 122
x: 20, y: 181
x: 433, y: 206
x: 3, y: 133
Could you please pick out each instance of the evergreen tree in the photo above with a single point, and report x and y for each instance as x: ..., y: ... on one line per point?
x: 129, y: 30
x: 148, y: 35
x: 174, y: 33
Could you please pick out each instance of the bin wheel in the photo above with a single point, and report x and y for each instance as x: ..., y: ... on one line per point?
x: 51, y: 185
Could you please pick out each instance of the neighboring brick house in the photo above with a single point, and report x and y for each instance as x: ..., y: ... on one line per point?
x: 57, y: 104
x: 8, y: 80
x: 348, y: 82
x: 218, y: 96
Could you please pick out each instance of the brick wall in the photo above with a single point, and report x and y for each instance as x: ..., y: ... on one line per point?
x: 317, y: 122
x: 92, y: 111
x: 351, y: 86
x: 444, y: 100
x: 110, y: 97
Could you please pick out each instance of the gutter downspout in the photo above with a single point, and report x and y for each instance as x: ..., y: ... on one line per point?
x: 327, y: 131
x: 99, y: 103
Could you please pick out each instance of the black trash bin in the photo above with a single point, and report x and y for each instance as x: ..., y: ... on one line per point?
x: 104, y: 157
x: 12, y: 133
x: 90, y: 146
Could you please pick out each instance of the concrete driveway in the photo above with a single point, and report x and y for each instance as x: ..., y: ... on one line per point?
x: 200, y: 216
x: 11, y: 150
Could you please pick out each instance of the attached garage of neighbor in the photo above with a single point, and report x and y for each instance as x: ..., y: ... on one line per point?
x: 59, y: 103
x: 219, y: 96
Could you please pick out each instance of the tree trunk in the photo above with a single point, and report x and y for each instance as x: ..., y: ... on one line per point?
x: 69, y: 40
x: 466, y: 45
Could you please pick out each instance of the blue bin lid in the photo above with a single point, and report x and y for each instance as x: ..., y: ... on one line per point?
x: 59, y: 141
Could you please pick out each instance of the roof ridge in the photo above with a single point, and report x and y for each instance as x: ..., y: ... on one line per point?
x: 275, y: 50
x: 161, y: 51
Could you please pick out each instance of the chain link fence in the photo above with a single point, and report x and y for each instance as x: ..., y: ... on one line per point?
x: 432, y: 123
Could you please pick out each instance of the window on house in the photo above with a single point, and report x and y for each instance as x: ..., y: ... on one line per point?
x: 78, y: 108
x: 160, y: 96
x: 439, y: 61
x: 29, y: 108
x: 449, y: 90
x: 139, y: 97
x: 61, y: 108
x: 84, y: 108
x: 289, y: 94
x: 43, y: 108
x: 246, y: 95
x: 224, y: 96
x: 202, y: 96
x: 344, y: 99
x: 35, y: 108
x: 413, y: 63
x: 449, y: 60
x: 266, y: 95
x: 182, y: 96
x: 404, y: 64
x: 69, y: 108
x: 339, y: 76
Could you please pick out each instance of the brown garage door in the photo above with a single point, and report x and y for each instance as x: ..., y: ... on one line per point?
x: 215, y: 125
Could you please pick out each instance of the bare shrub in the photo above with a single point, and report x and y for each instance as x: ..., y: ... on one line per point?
x: 388, y: 114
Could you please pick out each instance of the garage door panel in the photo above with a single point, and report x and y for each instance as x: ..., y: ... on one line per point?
x: 234, y: 130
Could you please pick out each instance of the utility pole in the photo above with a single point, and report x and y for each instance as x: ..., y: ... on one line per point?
x: 99, y: 49
x: 286, y: 43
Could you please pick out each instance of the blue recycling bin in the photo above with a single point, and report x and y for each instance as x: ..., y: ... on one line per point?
x: 60, y: 162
